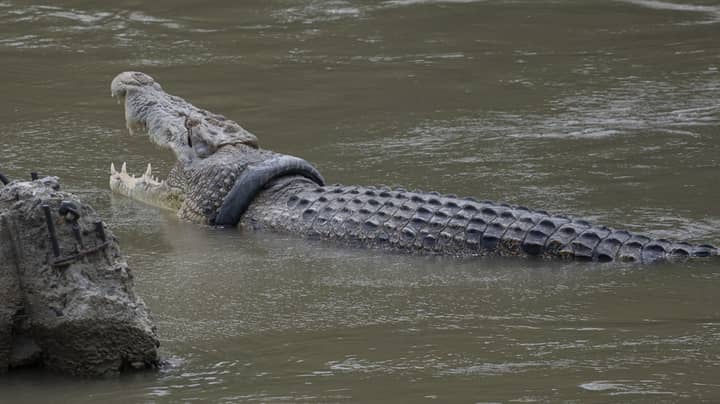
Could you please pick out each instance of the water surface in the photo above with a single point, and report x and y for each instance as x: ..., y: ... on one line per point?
x: 607, y: 110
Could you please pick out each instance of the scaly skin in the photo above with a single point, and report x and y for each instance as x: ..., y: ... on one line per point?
x: 214, y: 152
x: 445, y: 224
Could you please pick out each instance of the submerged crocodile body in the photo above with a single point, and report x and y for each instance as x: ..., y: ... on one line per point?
x: 223, y: 178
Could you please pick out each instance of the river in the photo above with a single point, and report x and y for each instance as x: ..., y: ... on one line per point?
x: 606, y: 110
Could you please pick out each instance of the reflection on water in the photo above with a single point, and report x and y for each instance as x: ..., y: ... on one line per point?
x: 604, y: 110
x: 712, y: 11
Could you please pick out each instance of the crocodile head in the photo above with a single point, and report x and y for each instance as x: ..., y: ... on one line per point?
x: 192, y: 134
x: 172, y: 122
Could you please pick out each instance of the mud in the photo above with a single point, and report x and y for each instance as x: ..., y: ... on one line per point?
x: 75, y: 313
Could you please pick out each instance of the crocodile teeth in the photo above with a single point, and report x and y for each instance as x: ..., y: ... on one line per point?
x: 112, y: 169
x: 123, y: 169
x: 148, y: 172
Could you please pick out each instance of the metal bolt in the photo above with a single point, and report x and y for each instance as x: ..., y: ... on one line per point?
x: 100, y: 230
x: 51, y: 230
x: 69, y: 210
x: 76, y: 234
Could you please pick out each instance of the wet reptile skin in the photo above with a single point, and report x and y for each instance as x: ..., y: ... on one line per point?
x: 214, y: 152
x: 427, y: 222
x: 205, y: 182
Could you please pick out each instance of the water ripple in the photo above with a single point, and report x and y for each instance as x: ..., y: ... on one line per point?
x: 627, y: 387
x: 712, y: 11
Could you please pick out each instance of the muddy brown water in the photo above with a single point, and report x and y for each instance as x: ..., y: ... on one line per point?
x: 607, y: 110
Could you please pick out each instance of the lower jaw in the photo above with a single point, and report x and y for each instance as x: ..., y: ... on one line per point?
x: 144, y: 188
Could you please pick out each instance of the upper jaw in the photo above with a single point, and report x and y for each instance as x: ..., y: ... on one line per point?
x: 172, y: 122
x: 149, y: 109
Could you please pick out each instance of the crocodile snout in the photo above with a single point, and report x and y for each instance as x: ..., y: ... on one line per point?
x: 128, y: 80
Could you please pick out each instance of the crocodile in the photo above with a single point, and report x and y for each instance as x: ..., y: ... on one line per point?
x: 223, y: 178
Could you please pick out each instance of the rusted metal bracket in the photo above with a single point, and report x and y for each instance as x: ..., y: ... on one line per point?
x: 72, y: 214
x: 69, y: 259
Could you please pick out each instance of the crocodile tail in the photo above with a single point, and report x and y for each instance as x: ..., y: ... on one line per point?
x: 558, y: 236
x: 603, y: 244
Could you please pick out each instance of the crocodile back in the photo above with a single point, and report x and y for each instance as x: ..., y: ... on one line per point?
x: 428, y: 222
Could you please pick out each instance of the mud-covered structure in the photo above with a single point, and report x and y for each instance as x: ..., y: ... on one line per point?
x: 67, y: 299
